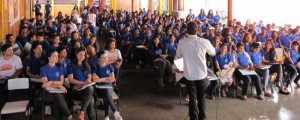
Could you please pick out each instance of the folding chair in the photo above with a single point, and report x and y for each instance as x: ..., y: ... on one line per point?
x: 16, y: 106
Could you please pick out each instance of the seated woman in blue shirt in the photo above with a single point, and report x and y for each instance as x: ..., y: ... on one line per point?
x: 52, y: 77
x: 35, y: 61
x: 244, y: 62
x: 103, y: 74
x: 230, y: 43
x: 293, y: 64
x: 276, y: 39
x: 79, y: 74
x: 247, y: 40
x: 270, y: 56
x: 222, y: 59
x: 285, y: 39
x: 171, y: 49
x: 159, y: 60
x: 263, y: 36
x: 257, y: 60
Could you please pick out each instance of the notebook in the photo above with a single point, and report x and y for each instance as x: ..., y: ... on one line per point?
x: 84, y: 86
x: 247, y: 72
x: 54, y: 90
x: 104, y: 86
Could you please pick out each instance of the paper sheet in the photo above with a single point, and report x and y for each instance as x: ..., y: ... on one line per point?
x: 179, y: 64
x: 247, y: 72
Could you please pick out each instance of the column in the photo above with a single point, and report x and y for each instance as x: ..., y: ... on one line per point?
x: 101, y: 5
x: 180, y: 5
x: 91, y: 3
x: 52, y: 5
x: 170, y: 6
x: 132, y: 5
x: 160, y: 6
x: 229, y: 18
x: 150, y: 5
x: 1, y: 21
x: 114, y: 5
x: 175, y: 5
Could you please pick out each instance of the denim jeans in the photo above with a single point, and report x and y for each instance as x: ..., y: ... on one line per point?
x: 196, y: 91
x: 163, y: 66
x: 293, y: 72
x: 86, y: 97
x: 265, y: 73
x: 106, y: 94
x: 60, y: 104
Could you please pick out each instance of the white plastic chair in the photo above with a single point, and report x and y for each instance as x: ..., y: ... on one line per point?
x: 16, y: 106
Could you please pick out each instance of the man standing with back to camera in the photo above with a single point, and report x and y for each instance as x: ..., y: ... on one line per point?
x: 193, y: 50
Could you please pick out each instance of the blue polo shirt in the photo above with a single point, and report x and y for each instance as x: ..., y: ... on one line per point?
x: 295, y: 55
x: 237, y: 37
x: 242, y: 59
x: 256, y: 57
x: 78, y: 72
x: 51, y: 72
x: 217, y: 18
x: 267, y: 55
x: 104, y: 71
x: 171, y: 49
x: 223, y: 60
x: 247, y: 48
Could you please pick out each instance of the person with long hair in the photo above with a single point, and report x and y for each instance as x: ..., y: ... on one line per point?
x: 103, y: 74
x: 80, y: 74
x: 293, y: 63
x: 247, y: 40
x: 201, y: 15
x: 53, y: 77
x: 74, y: 13
x: 276, y: 39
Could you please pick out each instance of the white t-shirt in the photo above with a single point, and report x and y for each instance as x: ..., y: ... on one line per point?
x: 193, y: 50
x: 9, y: 67
x: 113, y: 55
x: 92, y: 18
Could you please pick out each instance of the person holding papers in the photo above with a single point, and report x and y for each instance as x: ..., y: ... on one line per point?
x: 52, y: 77
x: 171, y: 48
x: 293, y: 64
x: 35, y: 61
x: 244, y: 63
x: 159, y: 60
x: 257, y: 60
x: 79, y: 75
x: 103, y: 75
x: 223, y: 61
x: 270, y: 56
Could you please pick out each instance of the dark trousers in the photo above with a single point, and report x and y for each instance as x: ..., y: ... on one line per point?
x: 247, y: 81
x: 108, y: 101
x: 60, y: 104
x: 196, y: 90
x: 86, y: 97
x: 293, y: 72
x: 34, y: 86
x: 4, y: 94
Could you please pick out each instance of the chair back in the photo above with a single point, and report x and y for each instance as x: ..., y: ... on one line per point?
x: 280, y: 55
x: 18, y: 83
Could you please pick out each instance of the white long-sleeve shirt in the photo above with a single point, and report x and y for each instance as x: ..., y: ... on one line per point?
x: 193, y: 50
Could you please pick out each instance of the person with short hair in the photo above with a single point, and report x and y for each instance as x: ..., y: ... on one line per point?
x: 48, y: 9
x: 37, y: 7
x: 193, y: 51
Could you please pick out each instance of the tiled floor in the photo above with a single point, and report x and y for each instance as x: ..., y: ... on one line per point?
x: 141, y: 99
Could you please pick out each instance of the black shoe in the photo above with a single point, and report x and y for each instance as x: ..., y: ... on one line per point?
x: 284, y: 92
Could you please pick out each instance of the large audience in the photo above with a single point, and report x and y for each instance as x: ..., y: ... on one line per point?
x: 52, y: 49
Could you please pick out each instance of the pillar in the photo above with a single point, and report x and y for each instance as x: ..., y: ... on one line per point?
x: 86, y: 2
x: 229, y: 18
x: 91, y: 3
x: 170, y: 6
x: 180, y: 5
x: 175, y: 5
x: 150, y: 5
x: 1, y: 21
x: 101, y: 5
x: 160, y: 6
x: 52, y: 5
x: 132, y: 5
x: 114, y: 5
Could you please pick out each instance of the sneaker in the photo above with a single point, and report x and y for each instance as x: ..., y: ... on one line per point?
x: 106, y: 118
x: 260, y: 97
x: 244, y: 97
x: 81, y: 115
x: 47, y: 110
x: 269, y: 95
x: 117, y: 116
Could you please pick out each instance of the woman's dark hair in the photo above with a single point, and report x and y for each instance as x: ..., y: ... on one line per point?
x: 61, y: 48
x: 255, y: 45
x: 100, y: 53
x: 239, y: 44
x: 49, y: 53
x: 74, y: 32
x: 85, y: 65
x: 110, y: 40
x: 34, y: 45
x: 272, y: 51
x: 5, y: 47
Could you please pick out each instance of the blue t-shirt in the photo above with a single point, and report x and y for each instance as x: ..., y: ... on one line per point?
x: 294, y: 55
x: 267, y: 55
x: 104, y: 71
x: 52, y: 73
x: 242, y: 59
x: 285, y: 40
x: 149, y: 39
x: 247, y: 48
x: 201, y: 17
x: 256, y: 57
x: 223, y: 60
x: 35, y: 63
x: 64, y: 66
x: 261, y: 38
x: 237, y: 37
x: 171, y: 49
x: 48, y: 7
x: 78, y: 72
x: 85, y: 41
x: 217, y: 18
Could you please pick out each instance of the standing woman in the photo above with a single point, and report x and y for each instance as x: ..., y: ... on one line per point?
x: 79, y: 74
x: 103, y: 74
x: 202, y: 15
x: 74, y: 13
x: 210, y: 17
x: 52, y: 76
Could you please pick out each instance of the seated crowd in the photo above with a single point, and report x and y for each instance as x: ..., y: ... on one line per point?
x: 50, y: 50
